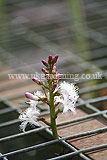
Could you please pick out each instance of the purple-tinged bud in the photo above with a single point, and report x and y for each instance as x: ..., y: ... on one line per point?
x: 45, y: 63
x: 44, y: 99
x: 30, y: 95
x: 53, y: 86
x: 55, y: 58
x: 54, y: 68
x: 36, y: 80
x: 44, y: 70
x: 58, y: 76
x: 50, y: 59
x: 47, y: 76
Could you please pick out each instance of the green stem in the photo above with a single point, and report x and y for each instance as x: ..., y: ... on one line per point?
x: 52, y: 116
x: 53, y: 120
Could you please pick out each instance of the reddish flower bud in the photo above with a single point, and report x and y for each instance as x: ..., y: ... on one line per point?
x: 47, y: 76
x: 50, y: 59
x: 44, y: 70
x: 55, y: 58
x: 54, y: 86
x: 54, y: 68
x: 58, y: 76
x: 45, y: 63
x: 36, y: 80
x: 44, y: 99
x: 30, y: 95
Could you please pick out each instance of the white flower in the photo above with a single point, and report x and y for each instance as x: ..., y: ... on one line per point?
x: 29, y: 116
x: 69, y: 89
x: 39, y: 94
x: 58, y: 99
x: 68, y: 97
x: 67, y: 104
x: 32, y: 103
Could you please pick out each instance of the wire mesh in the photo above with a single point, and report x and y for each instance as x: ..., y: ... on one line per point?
x: 36, y: 37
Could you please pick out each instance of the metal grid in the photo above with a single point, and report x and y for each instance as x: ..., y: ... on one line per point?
x: 80, y: 65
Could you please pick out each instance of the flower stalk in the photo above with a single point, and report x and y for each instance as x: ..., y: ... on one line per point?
x: 53, y: 120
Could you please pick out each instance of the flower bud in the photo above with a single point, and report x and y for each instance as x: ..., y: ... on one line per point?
x: 50, y: 59
x: 45, y: 63
x: 54, y: 86
x: 47, y: 76
x: 54, y: 69
x: 36, y: 80
x: 44, y: 70
x: 30, y: 95
x: 58, y: 76
x: 55, y: 58
x: 44, y: 99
